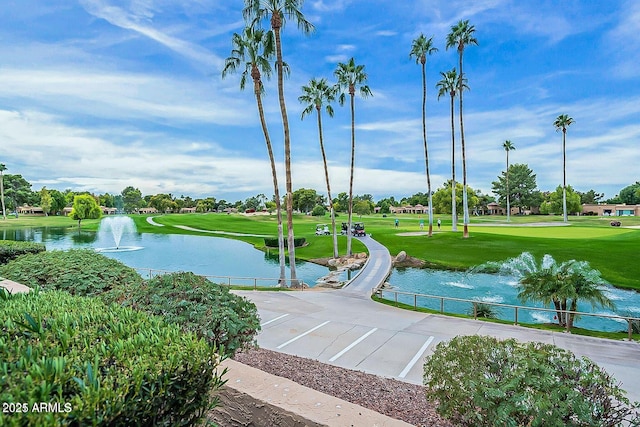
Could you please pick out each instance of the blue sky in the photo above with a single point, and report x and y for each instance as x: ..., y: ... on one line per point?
x: 97, y: 95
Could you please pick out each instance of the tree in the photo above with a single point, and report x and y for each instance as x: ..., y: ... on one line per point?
x: 253, y: 51
x: 45, y: 201
x: 305, y: 199
x: 17, y: 192
x: 2, y: 169
x: 630, y: 194
x: 562, y: 122
x: 351, y: 76
x: 57, y: 201
x: 132, y: 199
x: 483, y: 381
x: 460, y: 36
x: 590, y: 197
x: 521, y: 187
x: 107, y: 200
x: 279, y: 11
x: 315, y: 95
x: 508, y: 146
x: 586, y: 284
x: 163, y: 203
x: 420, y: 48
x: 362, y: 207
x: 449, y: 84
x: 561, y: 199
x: 85, y: 207
x: 442, y: 198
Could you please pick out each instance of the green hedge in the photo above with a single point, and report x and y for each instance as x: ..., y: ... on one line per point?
x: 227, y: 321
x: 78, y: 271
x: 10, y: 249
x: 98, y: 365
x: 272, y: 242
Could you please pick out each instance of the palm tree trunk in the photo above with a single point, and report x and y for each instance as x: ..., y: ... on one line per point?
x: 282, y: 281
x: 353, y: 155
x: 454, y: 216
x: 564, y: 176
x: 465, y: 204
x: 4, y: 212
x: 276, y: 25
x: 426, y: 149
x: 508, y: 204
x: 326, y: 176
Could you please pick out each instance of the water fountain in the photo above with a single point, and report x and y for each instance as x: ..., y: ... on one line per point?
x: 116, y: 226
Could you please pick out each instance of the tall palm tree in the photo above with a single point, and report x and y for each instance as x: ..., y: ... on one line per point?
x: 2, y: 169
x: 508, y: 146
x: 460, y: 36
x: 448, y: 85
x: 252, y: 50
x: 420, y: 48
x: 315, y: 95
x: 278, y: 12
x: 349, y: 77
x: 562, y: 122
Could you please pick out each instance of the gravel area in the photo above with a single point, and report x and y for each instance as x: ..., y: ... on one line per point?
x: 396, y: 399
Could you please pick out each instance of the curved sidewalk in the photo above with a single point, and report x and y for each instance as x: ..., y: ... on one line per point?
x: 374, y: 272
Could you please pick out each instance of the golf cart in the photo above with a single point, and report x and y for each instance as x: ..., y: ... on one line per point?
x: 322, y: 230
x: 358, y: 229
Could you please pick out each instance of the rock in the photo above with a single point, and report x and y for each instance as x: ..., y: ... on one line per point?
x: 401, y: 256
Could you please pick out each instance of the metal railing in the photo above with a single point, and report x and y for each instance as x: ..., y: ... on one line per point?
x: 516, y: 308
x: 229, y: 280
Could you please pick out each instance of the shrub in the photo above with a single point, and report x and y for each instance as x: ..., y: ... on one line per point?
x: 318, y: 210
x: 99, y: 365
x: 484, y: 310
x: 482, y: 381
x: 10, y: 249
x: 78, y: 271
x: 272, y: 242
x: 227, y: 321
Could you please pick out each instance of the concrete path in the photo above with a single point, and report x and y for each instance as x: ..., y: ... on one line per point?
x: 374, y: 272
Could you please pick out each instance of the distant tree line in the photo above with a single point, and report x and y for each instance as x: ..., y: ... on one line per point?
x: 523, y: 194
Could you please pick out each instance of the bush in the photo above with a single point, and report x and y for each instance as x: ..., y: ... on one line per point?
x: 225, y: 320
x: 272, y: 242
x: 10, y: 249
x: 484, y: 310
x: 318, y: 210
x: 99, y: 365
x: 77, y: 271
x: 482, y: 381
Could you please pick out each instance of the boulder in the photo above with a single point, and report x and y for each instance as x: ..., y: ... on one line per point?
x: 402, y: 255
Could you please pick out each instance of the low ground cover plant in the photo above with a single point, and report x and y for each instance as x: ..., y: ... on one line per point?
x: 77, y: 271
x: 10, y: 249
x: 227, y: 321
x: 68, y: 360
x: 482, y: 381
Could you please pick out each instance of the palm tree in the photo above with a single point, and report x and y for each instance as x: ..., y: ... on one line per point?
x: 2, y: 169
x: 349, y: 77
x: 586, y: 285
x: 315, y: 96
x: 420, y: 48
x: 278, y: 12
x: 252, y: 50
x: 460, y: 36
x: 449, y: 85
x: 563, y: 121
x: 508, y: 146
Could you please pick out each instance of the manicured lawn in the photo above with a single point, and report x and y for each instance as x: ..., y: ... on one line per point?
x: 612, y: 250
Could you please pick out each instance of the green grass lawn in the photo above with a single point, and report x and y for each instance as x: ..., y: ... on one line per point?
x: 612, y: 250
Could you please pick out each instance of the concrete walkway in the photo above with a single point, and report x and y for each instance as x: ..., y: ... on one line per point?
x: 373, y: 274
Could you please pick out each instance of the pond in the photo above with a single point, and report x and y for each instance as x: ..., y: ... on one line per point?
x: 212, y: 256
x: 493, y: 288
